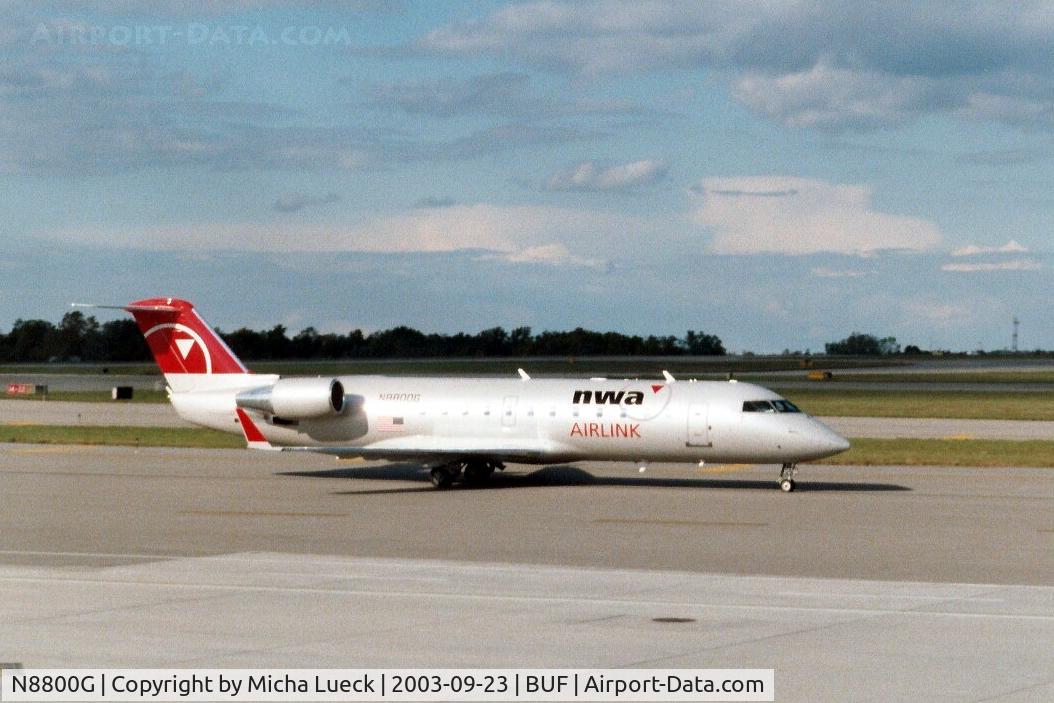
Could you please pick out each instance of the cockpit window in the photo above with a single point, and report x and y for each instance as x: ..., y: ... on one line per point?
x: 758, y: 406
x: 785, y: 406
x: 769, y: 406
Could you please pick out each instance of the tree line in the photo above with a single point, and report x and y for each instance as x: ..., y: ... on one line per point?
x: 860, y: 344
x: 82, y: 338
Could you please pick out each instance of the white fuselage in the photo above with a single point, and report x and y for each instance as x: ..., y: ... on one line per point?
x: 538, y: 420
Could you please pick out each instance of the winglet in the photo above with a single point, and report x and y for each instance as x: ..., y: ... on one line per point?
x: 668, y: 376
x: 523, y: 375
x: 254, y: 438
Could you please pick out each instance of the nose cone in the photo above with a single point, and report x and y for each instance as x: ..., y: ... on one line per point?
x: 825, y: 441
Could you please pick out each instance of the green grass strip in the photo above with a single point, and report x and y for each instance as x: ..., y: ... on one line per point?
x: 864, y: 452
x: 121, y: 436
x: 935, y: 404
x: 945, y: 452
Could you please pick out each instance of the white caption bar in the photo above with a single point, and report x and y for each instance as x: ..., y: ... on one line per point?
x: 387, y: 685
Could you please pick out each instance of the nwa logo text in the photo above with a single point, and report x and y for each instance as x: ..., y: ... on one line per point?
x: 608, y: 398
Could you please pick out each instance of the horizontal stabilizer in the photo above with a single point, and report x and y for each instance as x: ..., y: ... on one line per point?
x: 128, y: 308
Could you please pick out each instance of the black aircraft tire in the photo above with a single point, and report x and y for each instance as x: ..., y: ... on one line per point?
x: 477, y: 473
x: 441, y: 478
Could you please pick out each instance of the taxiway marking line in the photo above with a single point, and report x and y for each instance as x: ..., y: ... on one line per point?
x: 249, y: 513
x: 497, y: 598
x: 892, y: 596
x: 676, y: 523
x: 723, y: 469
x: 65, y: 449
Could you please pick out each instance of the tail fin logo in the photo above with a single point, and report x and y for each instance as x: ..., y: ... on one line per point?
x: 185, y: 345
x: 186, y: 341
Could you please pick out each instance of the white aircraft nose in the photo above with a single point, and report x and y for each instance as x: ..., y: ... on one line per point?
x: 827, y: 440
x: 811, y: 439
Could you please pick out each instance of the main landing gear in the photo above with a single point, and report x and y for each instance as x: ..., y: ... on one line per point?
x: 474, y: 473
x: 443, y: 476
x: 786, y: 479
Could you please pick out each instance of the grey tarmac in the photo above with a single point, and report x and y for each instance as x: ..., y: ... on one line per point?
x: 865, y: 584
x: 65, y: 412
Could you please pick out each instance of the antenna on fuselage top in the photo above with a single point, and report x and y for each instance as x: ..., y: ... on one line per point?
x: 523, y: 375
x: 668, y: 376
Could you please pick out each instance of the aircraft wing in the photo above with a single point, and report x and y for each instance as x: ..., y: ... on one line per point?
x: 429, y: 450
x: 426, y: 449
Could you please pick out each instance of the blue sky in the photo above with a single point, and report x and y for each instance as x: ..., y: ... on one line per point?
x: 779, y: 174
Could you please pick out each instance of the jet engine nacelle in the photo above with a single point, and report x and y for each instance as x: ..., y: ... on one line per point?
x: 296, y: 398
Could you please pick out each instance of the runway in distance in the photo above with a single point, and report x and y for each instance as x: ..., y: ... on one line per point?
x: 465, y: 428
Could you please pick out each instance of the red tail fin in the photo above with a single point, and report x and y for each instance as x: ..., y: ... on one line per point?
x: 182, y: 342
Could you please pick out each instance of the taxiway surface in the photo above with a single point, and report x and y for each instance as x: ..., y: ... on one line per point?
x: 866, y: 584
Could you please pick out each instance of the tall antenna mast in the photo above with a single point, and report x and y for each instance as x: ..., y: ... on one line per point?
x: 1013, y: 339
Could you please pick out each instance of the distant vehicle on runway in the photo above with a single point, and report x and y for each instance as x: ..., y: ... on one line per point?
x: 465, y: 428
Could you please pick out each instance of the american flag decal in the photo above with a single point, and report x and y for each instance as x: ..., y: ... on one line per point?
x: 390, y: 424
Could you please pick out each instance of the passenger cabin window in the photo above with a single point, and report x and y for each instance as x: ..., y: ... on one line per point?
x: 769, y: 406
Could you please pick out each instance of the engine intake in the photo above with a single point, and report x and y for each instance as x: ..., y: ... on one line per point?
x: 296, y: 398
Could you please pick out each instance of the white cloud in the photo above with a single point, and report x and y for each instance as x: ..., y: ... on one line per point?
x: 780, y: 214
x: 1011, y: 247
x: 826, y: 97
x: 548, y: 255
x: 1015, y: 265
x: 587, y: 176
x: 834, y: 65
x: 521, y: 233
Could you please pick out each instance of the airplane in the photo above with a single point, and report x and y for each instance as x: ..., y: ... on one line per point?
x: 463, y: 429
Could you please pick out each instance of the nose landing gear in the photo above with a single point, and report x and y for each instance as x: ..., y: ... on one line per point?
x: 786, y: 480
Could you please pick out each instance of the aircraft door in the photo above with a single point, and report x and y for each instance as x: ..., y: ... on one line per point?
x: 508, y: 411
x: 699, y: 425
